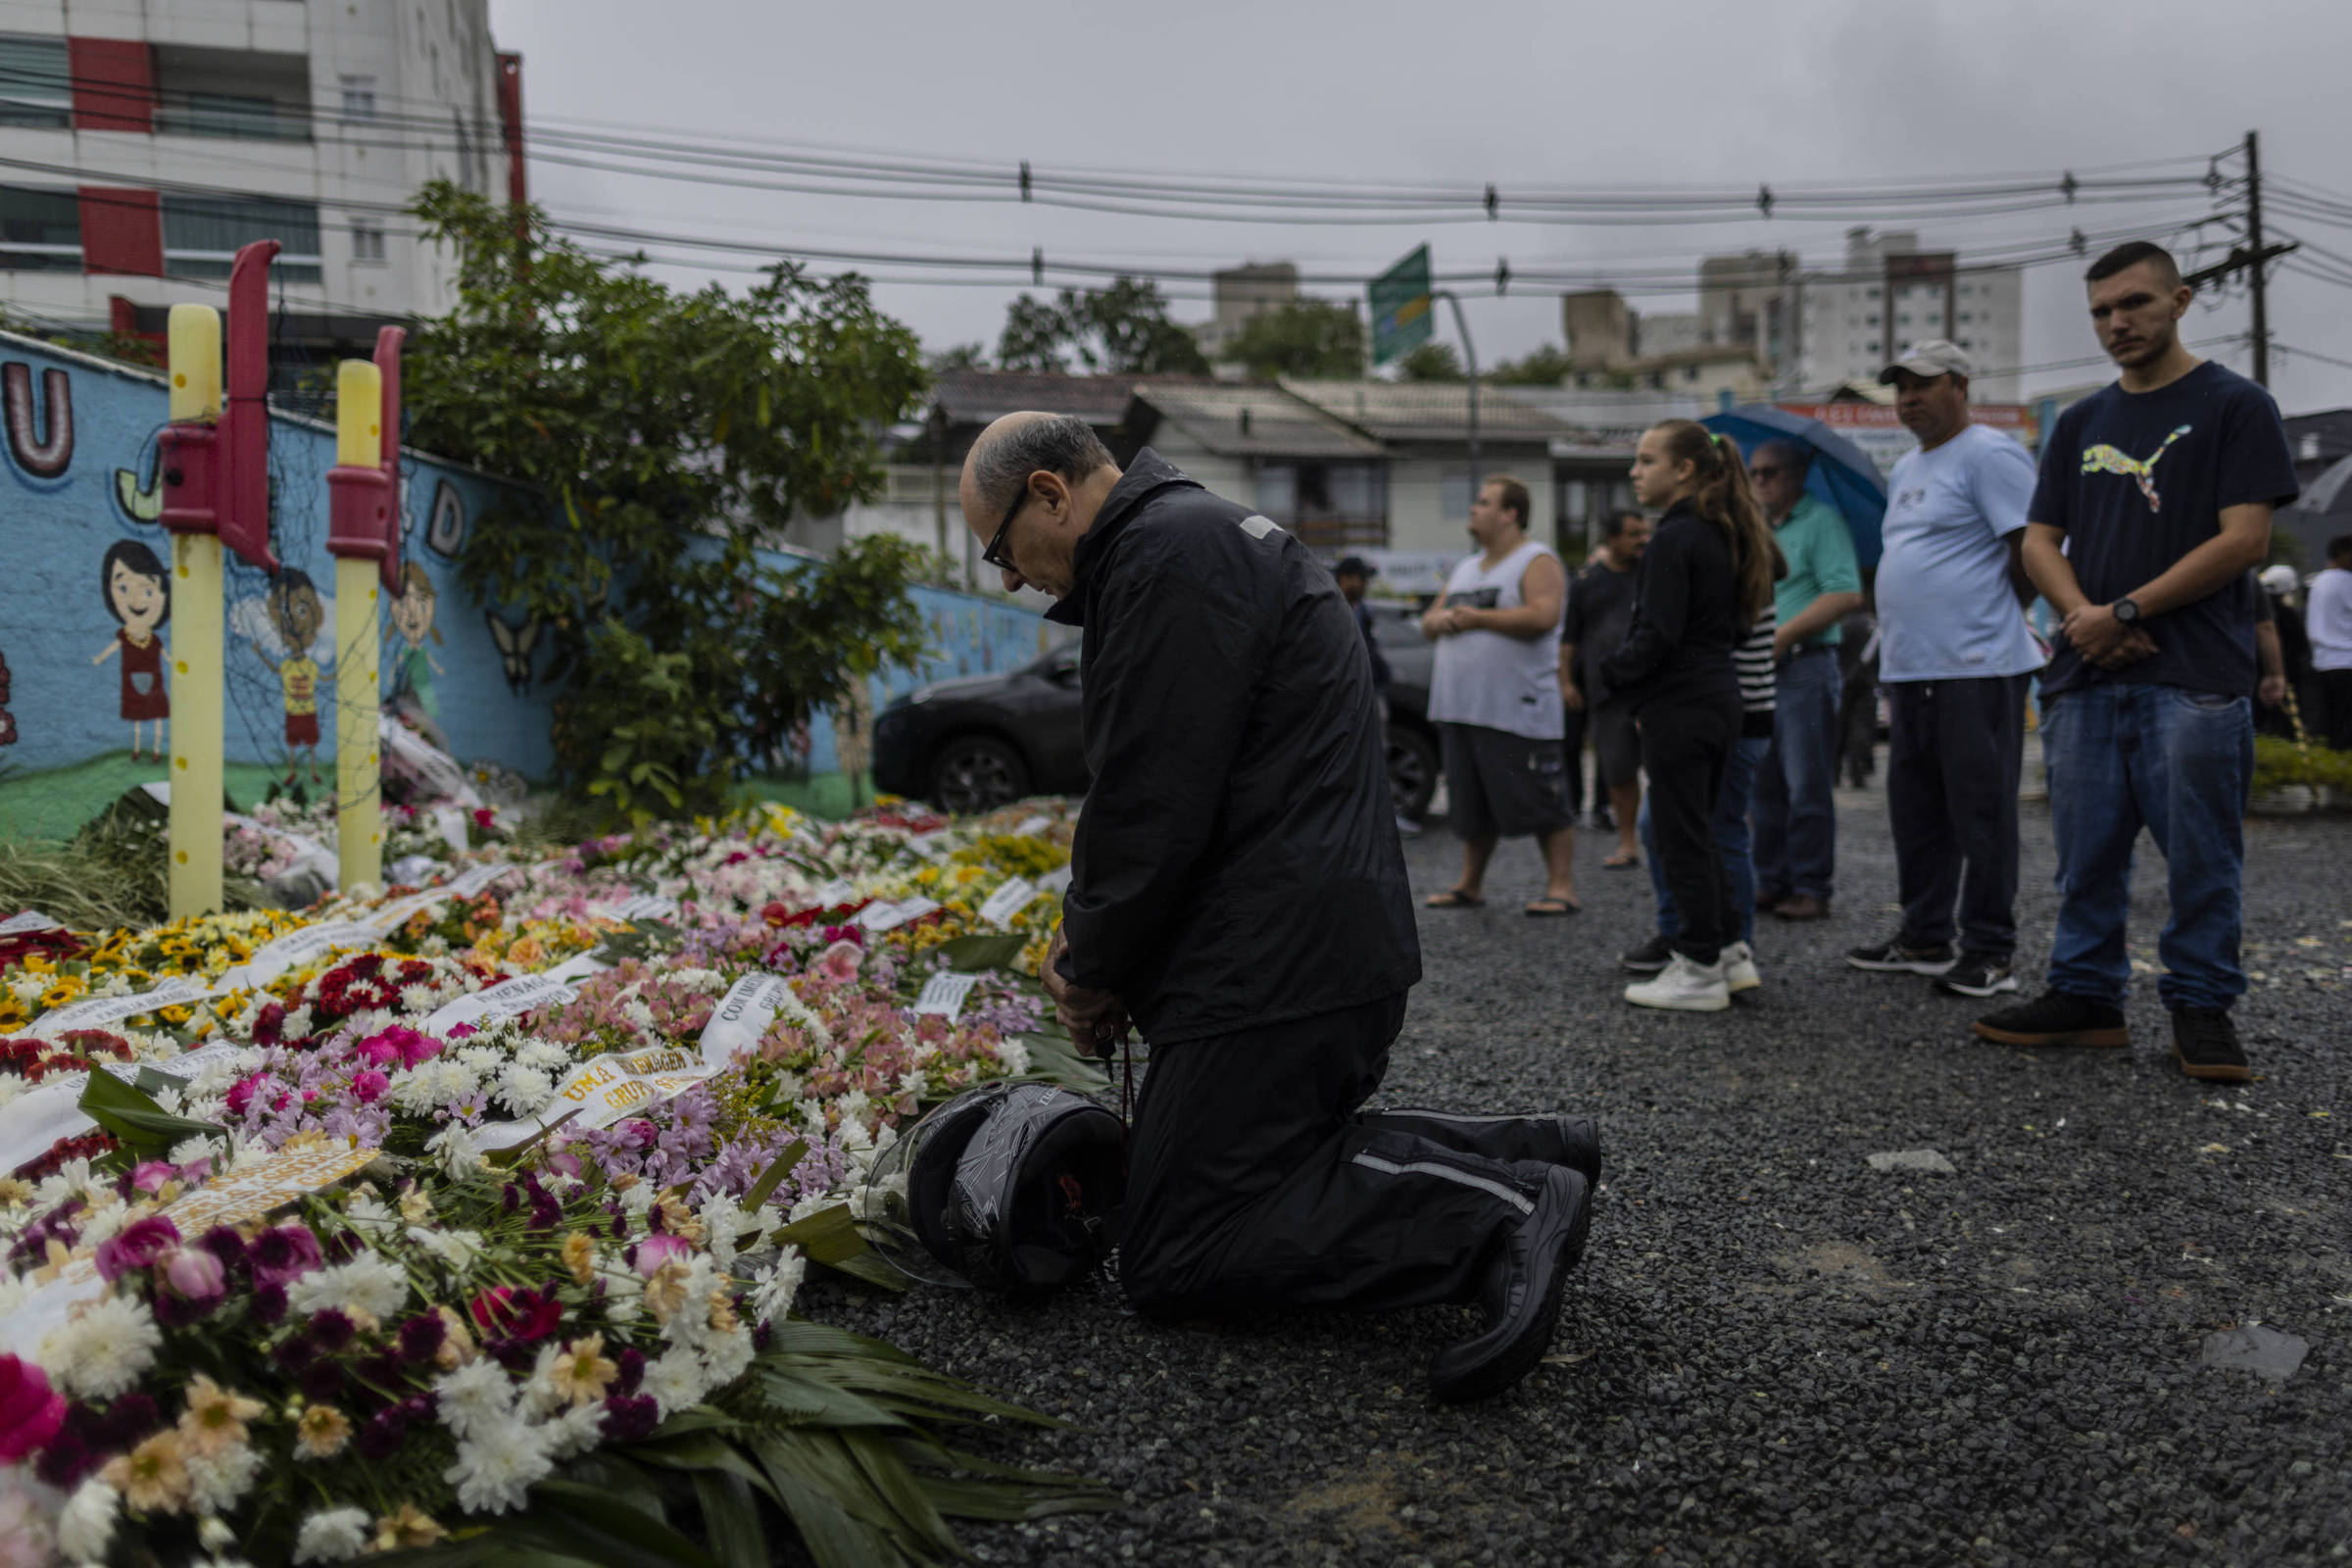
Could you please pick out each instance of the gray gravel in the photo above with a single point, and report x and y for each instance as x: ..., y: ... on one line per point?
x: 1773, y: 1352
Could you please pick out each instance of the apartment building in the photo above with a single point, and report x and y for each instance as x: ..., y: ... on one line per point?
x: 143, y: 141
x: 1890, y: 294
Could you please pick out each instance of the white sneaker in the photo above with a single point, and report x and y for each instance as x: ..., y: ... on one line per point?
x: 1683, y: 986
x: 1740, y: 968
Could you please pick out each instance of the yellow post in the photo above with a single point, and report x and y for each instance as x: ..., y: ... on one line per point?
x: 359, y: 818
x: 196, y: 646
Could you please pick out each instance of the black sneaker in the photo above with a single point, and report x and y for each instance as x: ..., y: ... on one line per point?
x: 2205, y: 1045
x: 1977, y: 974
x: 1899, y: 958
x: 2056, y: 1019
x: 1649, y: 957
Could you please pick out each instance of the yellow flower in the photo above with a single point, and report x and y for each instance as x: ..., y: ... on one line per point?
x: 583, y: 1372
x: 409, y: 1527
x: 415, y: 1206
x: 579, y: 1255
x: 666, y: 1291
x: 216, y: 1417
x: 457, y: 1346
x: 153, y: 1477
x: 322, y: 1431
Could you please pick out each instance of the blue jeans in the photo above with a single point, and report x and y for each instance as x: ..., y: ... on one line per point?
x: 1796, y: 821
x: 2181, y: 763
x: 1730, y: 823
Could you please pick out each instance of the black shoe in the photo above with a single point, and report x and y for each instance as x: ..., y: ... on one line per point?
x: 1766, y: 903
x: 1649, y: 957
x: 1547, y: 1138
x: 2056, y: 1019
x: 1520, y: 1286
x: 1977, y: 974
x: 1603, y: 820
x: 2205, y: 1045
x: 1898, y: 957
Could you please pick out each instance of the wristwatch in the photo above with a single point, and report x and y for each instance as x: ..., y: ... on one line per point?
x: 2125, y: 613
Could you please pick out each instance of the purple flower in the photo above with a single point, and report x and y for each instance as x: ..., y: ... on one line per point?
x: 322, y: 1379
x: 381, y: 1436
x: 268, y: 1304
x: 631, y: 1418
x: 331, y: 1331
x: 421, y: 1337
x: 368, y: 1086
x: 632, y: 1361
x: 282, y: 1253
x: 136, y: 1246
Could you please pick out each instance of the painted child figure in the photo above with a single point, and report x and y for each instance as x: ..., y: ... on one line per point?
x: 138, y: 595
x: 296, y: 615
x: 414, y: 671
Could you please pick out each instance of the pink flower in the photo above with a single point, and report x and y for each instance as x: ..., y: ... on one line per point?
x: 399, y: 1044
x: 658, y: 1249
x: 136, y: 1246
x: 283, y: 1254
x: 31, y: 1411
x: 841, y: 962
x: 240, y: 1094
x: 368, y: 1086
x: 149, y: 1175
x: 517, y: 1312
x: 195, y: 1275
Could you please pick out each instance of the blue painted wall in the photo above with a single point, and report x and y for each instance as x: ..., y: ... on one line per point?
x: 81, y: 461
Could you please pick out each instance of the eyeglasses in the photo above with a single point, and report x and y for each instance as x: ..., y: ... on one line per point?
x: 995, y: 543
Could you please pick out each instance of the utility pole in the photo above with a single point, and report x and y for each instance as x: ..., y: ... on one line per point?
x: 2250, y: 259
x: 1470, y: 361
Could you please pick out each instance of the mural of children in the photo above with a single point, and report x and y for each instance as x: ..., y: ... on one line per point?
x: 138, y: 595
x: 414, y: 669
x: 296, y: 614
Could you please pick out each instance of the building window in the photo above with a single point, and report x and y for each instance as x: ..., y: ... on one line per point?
x: 1873, y: 345
x: 202, y: 234
x: 40, y: 230
x: 235, y: 93
x: 1454, y: 495
x: 1328, y: 504
x: 367, y: 240
x: 358, y: 97
x: 1870, y: 293
x: 37, y: 85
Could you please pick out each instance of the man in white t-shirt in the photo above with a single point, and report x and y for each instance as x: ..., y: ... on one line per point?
x: 1495, y: 696
x: 1955, y: 656
x: 2328, y: 621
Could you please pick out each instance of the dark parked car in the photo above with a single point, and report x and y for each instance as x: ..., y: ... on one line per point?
x: 975, y: 743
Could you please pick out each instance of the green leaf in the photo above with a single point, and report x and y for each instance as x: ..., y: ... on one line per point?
x: 573, y: 1517
x: 779, y: 1168
x: 983, y: 950
x: 731, y: 1520
x: 136, y: 1118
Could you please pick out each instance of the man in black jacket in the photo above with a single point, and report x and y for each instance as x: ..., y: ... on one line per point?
x: 1238, y: 892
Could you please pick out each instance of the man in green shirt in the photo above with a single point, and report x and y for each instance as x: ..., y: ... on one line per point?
x: 1795, y: 818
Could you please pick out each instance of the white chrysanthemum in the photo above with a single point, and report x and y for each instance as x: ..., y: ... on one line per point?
x: 539, y: 1393
x: 214, y: 1536
x: 855, y: 1139
x: 298, y: 1022
x: 772, y: 1296
x: 721, y: 1219
x: 675, y: 1379
x: 484, y: 1060
x: 416, y: 997
x: 188, y: 1150
x: 625, y: 1294
x: 1014, y: 1055
x: 809, y: 1204
x: 576, y: 1430
x: 100, y: 1222
x: 787, y: 1087
x: 457, y: 1150
x: 366, y: 1212
x: 911, y: 1082
x: 475, y: 1397
x: 460, y: 1249
x: 639, y: 1198
x: 217, y: 1481
x: 543, y: 1055
x: 87, y: 1526
x: 69, y: 1180
x: 727, y: 1357
x: 709, y: 982
x: 371, y: 1282
x: 335, y: 1535
x: 104, y: 1348
x: 640, y: 1016
x: 524, y: 1090
x: 811, y: 1112
x: 27, y: 990
x: 114, y: 984
x: 496, y: 1467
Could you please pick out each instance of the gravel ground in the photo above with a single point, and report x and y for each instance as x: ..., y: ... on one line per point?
x: 1774, y: 1352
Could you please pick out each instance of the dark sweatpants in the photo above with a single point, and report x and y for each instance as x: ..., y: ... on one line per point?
x: 1953, y: 754
x: 1684, y: 747
x: 1253, y: 1181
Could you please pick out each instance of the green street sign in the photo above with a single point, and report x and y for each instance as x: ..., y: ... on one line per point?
x: 1400, y: 308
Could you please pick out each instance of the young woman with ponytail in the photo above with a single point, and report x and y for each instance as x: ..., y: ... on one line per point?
x: 1705, y: 580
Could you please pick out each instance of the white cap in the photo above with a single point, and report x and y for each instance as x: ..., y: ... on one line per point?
x: 1933, y: 358
x: 2279, y: 579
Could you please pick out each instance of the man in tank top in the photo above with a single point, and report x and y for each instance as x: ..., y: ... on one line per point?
x: 1494, y: 697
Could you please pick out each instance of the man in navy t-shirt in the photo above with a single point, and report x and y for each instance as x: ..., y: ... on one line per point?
x: 2154, y: 503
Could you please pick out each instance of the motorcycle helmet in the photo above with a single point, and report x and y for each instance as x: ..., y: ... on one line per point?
x: 1009, y: 1187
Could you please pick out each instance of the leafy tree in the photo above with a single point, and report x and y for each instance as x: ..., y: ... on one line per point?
x: 961, y: 357
x: 1123, y: 329
x: 1432, y: 362
x: 1546, y: 366
x: 1305, y: 337
x: 657, y: 439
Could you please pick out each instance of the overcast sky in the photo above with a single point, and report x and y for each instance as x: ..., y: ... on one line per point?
x: 1698, y: 92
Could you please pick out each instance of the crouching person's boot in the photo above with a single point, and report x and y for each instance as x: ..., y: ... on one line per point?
x: 1519, y: 1286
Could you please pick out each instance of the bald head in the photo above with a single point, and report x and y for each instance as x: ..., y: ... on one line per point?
x: 1048, y: 472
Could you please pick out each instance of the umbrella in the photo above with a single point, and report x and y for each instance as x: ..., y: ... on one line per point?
x: 1842, y: 474
x: 2321, y: 512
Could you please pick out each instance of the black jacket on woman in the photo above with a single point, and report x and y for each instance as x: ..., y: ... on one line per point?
x: 1686, y: 617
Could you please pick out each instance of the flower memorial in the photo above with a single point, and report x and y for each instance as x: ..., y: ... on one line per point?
x: 473, y: 1216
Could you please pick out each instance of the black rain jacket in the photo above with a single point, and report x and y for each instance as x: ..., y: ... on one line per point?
x: 1236, y: 861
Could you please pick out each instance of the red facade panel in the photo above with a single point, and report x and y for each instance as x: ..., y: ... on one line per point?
x: 114, y: 84
x: 121, y: 231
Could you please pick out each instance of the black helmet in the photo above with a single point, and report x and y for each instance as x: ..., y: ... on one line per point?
x: 1010, y: 1185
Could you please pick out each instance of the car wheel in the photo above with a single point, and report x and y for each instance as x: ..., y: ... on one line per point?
x: 1412, y: 770
x: 977, y: 773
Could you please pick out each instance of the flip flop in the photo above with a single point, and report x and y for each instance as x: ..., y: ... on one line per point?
x: 1622, y: 862
x: 1553, y: 909
x: 1453, y: 898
